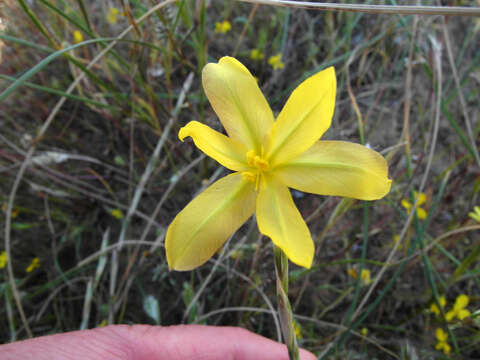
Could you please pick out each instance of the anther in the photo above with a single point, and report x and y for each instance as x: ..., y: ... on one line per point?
x: 249, y: 176
x: 260, y: 163
x: 251, y: 157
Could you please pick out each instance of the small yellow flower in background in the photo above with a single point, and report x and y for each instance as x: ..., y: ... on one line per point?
x: 256, y: 54
x: 442, y: 344
x: 3, y: 259
x: 434, y: 308
x: 77, y: 36
x: 117, y: 213
x: 276, y: 61
x: 268, y: 156
x: 475, y: 214
x: 223, y: 27
x: 365, y: 275
x: 422, y: 199
x: 352, y: 272
x: 112, y: 15
x: 33, y: 265
x: 396, y: 238
x: 458, y: 310
x: 297, y: 329
x: 364, y: 331
x: 15, y: 212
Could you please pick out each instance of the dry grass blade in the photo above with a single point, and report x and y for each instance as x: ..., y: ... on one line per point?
x: 460, y: 92
x: 375, y: 9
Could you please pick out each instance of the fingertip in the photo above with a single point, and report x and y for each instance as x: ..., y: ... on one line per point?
x: 307, y: 355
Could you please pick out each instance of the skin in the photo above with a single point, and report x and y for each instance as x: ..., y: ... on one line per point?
x: 145, y: 342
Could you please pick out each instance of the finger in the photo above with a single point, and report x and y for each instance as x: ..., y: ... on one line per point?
x: 144, y: 342
x: 207, y: 342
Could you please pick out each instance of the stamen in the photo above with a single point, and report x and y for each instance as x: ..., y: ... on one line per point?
x: 251, y: 157
x: 260, y: 163
x: 249, y: 176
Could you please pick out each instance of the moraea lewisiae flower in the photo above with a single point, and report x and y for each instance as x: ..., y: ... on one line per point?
x: 268, y: 156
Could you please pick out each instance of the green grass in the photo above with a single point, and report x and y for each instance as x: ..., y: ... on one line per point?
x: 113, y: 145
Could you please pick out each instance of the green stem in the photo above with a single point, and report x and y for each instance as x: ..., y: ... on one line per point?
x: 284, y: 308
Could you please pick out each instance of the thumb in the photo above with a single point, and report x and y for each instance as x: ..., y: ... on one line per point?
x: 144, y: 342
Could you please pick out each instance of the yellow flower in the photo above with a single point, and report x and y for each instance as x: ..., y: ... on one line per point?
x: 3, y: 259
x: 77, y: 36
x: 256, y: 54
x: 475, y: 214
x: 434, y: 308
x: 364, y: 331
x: 112, y: 15
x: 297, y: 329
x: 458, y: 310
x: 117, y: 213
x: 15, y: 212
x: 33, y: 265
x: 396, y: 238
x: 422, y: 199
x: 223, y: 27
x: 442, y: 344
x: 352, y: 272
x: 276, y: 61
x: 268, y: 156
x: 364, y: 276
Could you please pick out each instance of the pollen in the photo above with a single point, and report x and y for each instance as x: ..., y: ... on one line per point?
x: 249, y: 176
x: 251, y: 157
x: 256, y: 161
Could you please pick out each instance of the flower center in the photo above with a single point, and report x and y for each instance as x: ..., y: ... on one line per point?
x: 258, y: 166
x: 257, y: 161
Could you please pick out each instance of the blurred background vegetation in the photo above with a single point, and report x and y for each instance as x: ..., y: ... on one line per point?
x: 90, y: 183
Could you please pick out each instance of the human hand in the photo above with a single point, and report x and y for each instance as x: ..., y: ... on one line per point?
x: 145, y: 342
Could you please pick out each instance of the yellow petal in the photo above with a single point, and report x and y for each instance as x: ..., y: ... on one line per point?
x: 461, y: 301
x: 304, y: 118
x: 338, y: 168
x: 421, y: 213
x: 441, y: 335
x: 446, y: 348
x: 279, y: 219
x: 352, y: 272
x: 450, y: 315
x: 238, y: 102
x: 228, y: 152
x: 365, y: 277
x: 434, y: 309
x: 406, y: 204
x: 204, y: 225
x: 462, y: 314
x: 422, y: 198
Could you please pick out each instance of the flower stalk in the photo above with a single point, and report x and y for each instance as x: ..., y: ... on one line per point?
x: 284, y: 308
